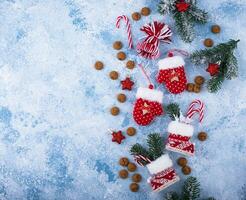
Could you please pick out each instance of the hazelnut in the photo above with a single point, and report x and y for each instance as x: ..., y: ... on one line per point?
x: 136, y: 178
x: 199, y: 80
x: 121, y: 55
x: 182, y: 161
x: 136, y: 16
x: 134, y: 187
x: 131, y: 167
x: 124, y: 161
x: 98, y: 65
x: 190, y: 87
x: 186, y: 170
x: 123, y: 173
x: 115, y: 110
x: 208, y: 42
x: 114, y: 75
x: 131, y: 131
x: 145, y: 11
x: 202, y: 136
x: 121, y: 98
x: 117, y: 45
x: 215, y: 29
x: 130, y: 64
x: 197, y: 88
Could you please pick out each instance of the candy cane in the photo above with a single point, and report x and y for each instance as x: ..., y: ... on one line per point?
x: 192, y: 110
x: 139, y: 159
x: 128, y: 27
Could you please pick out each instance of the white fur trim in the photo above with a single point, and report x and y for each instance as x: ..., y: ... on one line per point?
x: 160, y: 164
x: 171, y: 62
x: 149, y: 94
x: 180, y: 128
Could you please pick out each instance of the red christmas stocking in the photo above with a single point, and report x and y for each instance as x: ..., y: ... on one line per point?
x: 172, y: 74
x: 162, y: 173
x: 179, y: 136
x: 147, y: 106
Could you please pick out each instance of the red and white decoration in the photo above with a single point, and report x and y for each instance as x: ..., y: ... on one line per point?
x: 172, y: 74
x: 179, y: 138
x: 180, y: 131
x: 147, y: 106
x: 162, y: 173
x: 128, y: 28
x: 156, y: 32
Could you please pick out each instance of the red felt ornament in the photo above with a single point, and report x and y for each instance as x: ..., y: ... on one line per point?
x: 156, y: 32
x: 127, y: 84
x: 213, y: 69
x: 117, y: 137
x: 182, y: 6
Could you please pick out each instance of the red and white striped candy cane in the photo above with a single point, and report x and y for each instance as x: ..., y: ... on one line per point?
x: 139, y: 159
x: 128, y: 27
x: 192, y: 110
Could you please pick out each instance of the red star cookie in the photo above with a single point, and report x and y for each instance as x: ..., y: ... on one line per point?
x: 213, y: 69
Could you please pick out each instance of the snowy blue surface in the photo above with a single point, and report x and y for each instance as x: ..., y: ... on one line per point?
x: 54, y: 107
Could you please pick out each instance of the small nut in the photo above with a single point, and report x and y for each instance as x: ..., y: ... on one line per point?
x: 123, y: 173
x: 115, y: 111
x: 98, y: 65
x: 186, y: 170
x: 208, y: 42
x: 197, y: 88
x: 121, y: 98
x: 145, y: 11
x: 199, y: 80
x: 121, y: 55
x: 114, y: 75
x: 202, y: 136
x: 136, y: 178
x: 130, y: 64
x: 190, y: 87
x: 215, y: 29
x: 136, y: 16
x: 131, y: 131
x: 134, y: 187
x: 131, y: 167
x: 124, y: 161
x: 117, y: 45
x: 182, y: 161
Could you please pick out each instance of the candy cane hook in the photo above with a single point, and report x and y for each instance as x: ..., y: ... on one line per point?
x: 128, y: 28
x: 192, y: 110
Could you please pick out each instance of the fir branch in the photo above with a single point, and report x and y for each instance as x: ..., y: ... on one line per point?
x: 191, y: 189
x: 138, y: 149
x: 172, y: 196
x: 166, y: 6
x: 232, y: 67
x: 156, y: 146
x: 184, y: 26
x: 215, y: 83
x: 198, y: 15
x: 173, y: 110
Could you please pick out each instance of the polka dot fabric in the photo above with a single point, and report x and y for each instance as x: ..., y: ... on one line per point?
x: 145, y: 111
x: 174, y: 79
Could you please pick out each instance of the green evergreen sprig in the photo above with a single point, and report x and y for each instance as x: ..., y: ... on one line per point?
x: 173, y: 110
x: 223, y: 54
x: 184, y: 21
x: 190, y: 191
x: 155, y: 148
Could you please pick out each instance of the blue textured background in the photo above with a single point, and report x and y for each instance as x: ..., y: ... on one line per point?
x: 54, y: 107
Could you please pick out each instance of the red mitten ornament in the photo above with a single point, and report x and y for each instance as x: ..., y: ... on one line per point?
x: 147, y: 106
x: 179, y: 138
x: 172, y: 74
x: 163, y: 174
